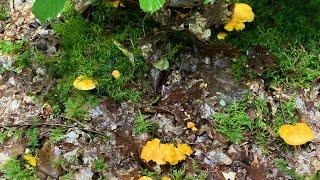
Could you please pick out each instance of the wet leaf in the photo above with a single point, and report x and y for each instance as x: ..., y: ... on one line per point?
x: 162, y: 64
x: 151, y: 5
x: 47, y: 9
x: 124, y: 51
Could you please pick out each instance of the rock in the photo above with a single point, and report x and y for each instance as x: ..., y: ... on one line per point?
x: 165, y: 124
x: 72, y: 138
x: 206, y: 110
x: 217, y: 158
x: 84, y: 174
x: 89, y: 155
x: 13, y: 106
x: 198, y: 27
x: 6, y: 62
x: 71, y: 156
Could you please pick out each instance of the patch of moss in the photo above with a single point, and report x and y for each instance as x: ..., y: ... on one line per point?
x: 290, y: 31
x: 12, y: 169
x: 87, y: 48
x: 4, y: 12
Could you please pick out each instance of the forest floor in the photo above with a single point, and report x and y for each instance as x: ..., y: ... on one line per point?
x: 237, y: 92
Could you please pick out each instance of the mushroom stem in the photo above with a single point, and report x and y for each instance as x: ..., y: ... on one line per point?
x: 297, y: 148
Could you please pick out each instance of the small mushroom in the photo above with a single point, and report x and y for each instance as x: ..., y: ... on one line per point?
x: 84, y: 83
x: 297, y: 134
x: 222, y: 35
x: 192, y: 126
x: 116, y: 74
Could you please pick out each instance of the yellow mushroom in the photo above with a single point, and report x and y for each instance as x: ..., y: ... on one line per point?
x: 116, y: 74
x: 222, y: 35
x: 241, y: 13
x: 192, y: 126
x: 164, y: 153
x: 84, y: 83
x: 145, y: 178
x: 297, y: 134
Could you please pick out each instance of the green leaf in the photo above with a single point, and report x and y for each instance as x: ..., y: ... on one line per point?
x: 151, y: 5
x: 207, y: 1
x: 162, y: 64
x: 124, y: 51
x: 47, y: 9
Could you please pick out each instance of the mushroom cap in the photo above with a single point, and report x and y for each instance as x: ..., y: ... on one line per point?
x: 163, y: 153
x: 241, y: 13
x: 297, y: 134
x: 222, y: 35
x: 116, y: 74
x: 84, y: 83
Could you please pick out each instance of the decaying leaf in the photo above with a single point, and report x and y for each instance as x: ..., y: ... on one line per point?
x: 151, y: 5
x: 162, y: 64
x: 124, y: 51
x: 165, y: 153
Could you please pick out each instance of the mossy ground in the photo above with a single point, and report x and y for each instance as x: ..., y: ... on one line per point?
x: 87, y: 49
x: 291, y: 32
x: 288, y: 30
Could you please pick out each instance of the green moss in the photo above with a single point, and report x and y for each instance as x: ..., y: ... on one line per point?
x: 12, y: 169
x: 286, y: 114
x: 142, y: 125
x: 33, y: 137
x: 282, y: 165
x: 290, y: 31
x: 4, y: 12
x: 233, y: 121
x: 8, y: 47
x: 87, y: 49
x: 55, y: 135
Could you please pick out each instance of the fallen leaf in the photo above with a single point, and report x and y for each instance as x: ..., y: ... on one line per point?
x: 124, y: 51
x: 162, y: 64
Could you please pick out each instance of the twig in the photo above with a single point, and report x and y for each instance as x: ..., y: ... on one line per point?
x: 54, y: 124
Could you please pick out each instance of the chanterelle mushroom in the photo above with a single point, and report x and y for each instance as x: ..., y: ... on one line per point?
x: 297, y: 134
x: 84, y: 83
x: 241, y: 13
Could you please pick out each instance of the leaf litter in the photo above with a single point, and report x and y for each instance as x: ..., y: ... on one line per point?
x: 196, y: 85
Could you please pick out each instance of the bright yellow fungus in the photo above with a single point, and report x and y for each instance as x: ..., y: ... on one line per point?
x: 164, y: 153
x: 241, y: 13
x: 116, y: 74
x: 192, y: 126
x: 165, y: 178
x: 30, y: 160
x: 297, y: 134
x: 84, y: 83
x: 222, y: 35
x: 145, y: 178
